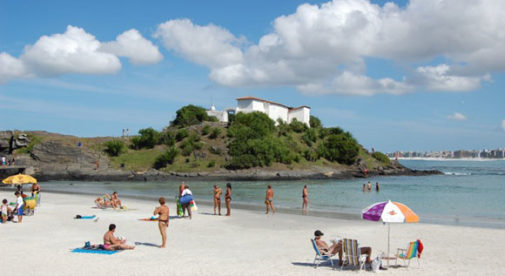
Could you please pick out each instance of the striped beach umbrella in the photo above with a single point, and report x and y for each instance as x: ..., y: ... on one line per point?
x: 389, y: 212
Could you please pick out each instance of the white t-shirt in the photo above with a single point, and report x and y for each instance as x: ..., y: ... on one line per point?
x: 186, y: 192
x: 4, y: 209
x: 20, y: 202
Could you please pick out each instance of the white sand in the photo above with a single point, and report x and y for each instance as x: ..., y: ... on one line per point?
x: 248, y: 243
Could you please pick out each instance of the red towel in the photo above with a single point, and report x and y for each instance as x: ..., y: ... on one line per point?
x: 420, y: 248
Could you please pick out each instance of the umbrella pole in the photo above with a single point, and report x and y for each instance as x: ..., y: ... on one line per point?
x: 389, y: 227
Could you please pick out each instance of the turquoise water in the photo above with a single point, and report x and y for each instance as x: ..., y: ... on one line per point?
x: 469, y: 192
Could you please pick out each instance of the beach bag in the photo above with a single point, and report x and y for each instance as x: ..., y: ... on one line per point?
x: 376, y: 264
x: 180, y: 212
x: 192, y: 206
x: 186, y: 199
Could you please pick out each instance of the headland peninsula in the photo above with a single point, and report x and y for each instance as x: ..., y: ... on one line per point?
x: 251, y: 146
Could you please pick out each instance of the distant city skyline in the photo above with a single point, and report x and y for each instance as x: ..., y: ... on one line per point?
x: 399, y: 75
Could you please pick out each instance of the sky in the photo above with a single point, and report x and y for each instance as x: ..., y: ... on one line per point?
x: 399, y: 75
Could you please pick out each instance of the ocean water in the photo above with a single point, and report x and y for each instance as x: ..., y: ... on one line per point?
x: 468, y: 193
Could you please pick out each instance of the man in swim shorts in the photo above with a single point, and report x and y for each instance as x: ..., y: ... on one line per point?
x: 217, y: 198
x: 269, y: 199
x: 110, y: 242
x: 163, y: 213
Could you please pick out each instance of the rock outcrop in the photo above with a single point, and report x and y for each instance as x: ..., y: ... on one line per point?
x: 10, y: 141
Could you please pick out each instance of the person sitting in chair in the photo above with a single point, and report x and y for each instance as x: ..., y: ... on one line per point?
x: 326, y: 249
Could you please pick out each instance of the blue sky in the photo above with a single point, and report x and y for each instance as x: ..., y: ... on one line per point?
x: 400, y: 76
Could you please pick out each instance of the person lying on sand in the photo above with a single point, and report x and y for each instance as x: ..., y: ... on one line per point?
x: 103, y: 201
x: 110, y: 242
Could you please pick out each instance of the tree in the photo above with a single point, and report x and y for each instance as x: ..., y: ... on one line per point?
x: 191, y: 115
x: 148, y: 138
x: 314, y: 122
x: 114, y: 147
x: 341, y: 148
x: 297, y: 126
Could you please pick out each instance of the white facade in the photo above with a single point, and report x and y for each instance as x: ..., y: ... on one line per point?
x: 222, y: 116
x: 274, y: 110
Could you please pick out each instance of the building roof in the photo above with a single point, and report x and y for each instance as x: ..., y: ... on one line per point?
x: 270, y: 102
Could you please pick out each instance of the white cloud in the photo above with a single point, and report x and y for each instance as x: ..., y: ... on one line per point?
x: 456, y: 116
x: 76, y: 51
x: 318, y: 47
x: 503, y: 124
x: 439, y: 78
x: 10, y: 67
x: 133, y: 45
x: 208, y: 45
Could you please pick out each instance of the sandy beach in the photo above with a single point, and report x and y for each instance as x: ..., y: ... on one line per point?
x: 247, y: 243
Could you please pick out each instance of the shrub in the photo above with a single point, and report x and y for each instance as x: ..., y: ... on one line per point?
x: 381, y: 157
x: 166, y: 158
x: 167, y: 137
x: 310, y: 155
x: 148, y: 139
x: 211, y: 164
x: 215, y: 133
x: 251, y: 125
x: 206, y: 130
x: 114, y: 147
x: 191, y: 115
x: 181, y: 134
x: 315, y: 122
x: 310, y: 136
x: 297, y: 126
x: 187, y: 148
x: 242, y: 162
x: 341, y: 148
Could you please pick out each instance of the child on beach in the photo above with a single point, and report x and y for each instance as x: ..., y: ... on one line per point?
x: 19, y: 206
x: 5, y: 211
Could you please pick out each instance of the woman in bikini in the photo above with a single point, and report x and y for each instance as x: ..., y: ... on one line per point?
x: 305, y: 197
x: 227, y: 198
x: 163, y: 213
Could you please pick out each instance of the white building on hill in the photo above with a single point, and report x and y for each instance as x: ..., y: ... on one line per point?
x: 274, y: 110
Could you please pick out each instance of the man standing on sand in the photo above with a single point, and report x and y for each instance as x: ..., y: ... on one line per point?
x: 163, y: 213
x: 269, y: 199
x: 305, y: 197
x: 112, y: 243
x: 217, y: 198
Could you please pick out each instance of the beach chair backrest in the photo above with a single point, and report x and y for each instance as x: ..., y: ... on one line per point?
x: 351, y: 251
x: 315, y: 246
x: 412, y: 251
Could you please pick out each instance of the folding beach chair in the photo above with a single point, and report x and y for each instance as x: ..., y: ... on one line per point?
x: 410, y: 252
x: 352, y: 254
x: 321, y: 257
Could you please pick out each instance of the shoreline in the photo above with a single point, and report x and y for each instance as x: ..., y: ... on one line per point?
x: 457, y: 221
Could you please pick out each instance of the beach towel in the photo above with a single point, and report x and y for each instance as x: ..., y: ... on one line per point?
x: 94, y: 251
x: 85, y: 217
x: 420, y: 248
x: 152, y: 218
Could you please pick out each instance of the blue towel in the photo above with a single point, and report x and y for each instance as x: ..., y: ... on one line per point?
x: 88, y: 217
x: 94, y: 251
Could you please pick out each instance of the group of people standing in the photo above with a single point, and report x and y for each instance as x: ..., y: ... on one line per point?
x: 368, y: 187
x: 217, y: 199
